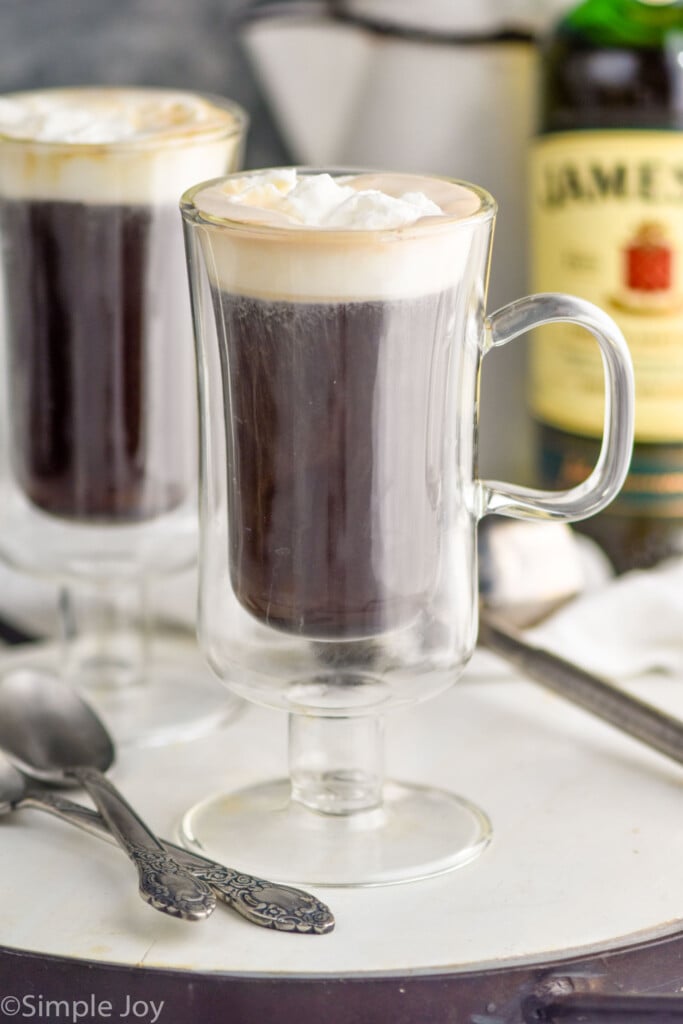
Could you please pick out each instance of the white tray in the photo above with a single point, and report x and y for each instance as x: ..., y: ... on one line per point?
x: 586, y: 855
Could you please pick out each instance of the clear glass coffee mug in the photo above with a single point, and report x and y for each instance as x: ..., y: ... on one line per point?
x: 338, y: 379
x: 98, y: 421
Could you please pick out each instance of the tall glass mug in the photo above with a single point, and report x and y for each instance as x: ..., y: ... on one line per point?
x: 339, y: 356
x: 99, y: 439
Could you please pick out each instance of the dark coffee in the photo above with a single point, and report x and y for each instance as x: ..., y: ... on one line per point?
x: 338, y: 414
x: 98, y: 341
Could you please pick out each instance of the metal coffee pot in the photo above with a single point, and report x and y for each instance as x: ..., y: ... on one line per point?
x: 440, y: 86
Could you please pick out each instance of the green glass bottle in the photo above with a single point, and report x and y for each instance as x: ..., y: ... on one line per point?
x: 607, y: 224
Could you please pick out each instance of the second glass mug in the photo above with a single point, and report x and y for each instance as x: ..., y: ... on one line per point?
x: 98, y: 452
x: 338, y: 378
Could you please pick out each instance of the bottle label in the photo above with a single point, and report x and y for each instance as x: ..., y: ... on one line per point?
x: 607, y: 221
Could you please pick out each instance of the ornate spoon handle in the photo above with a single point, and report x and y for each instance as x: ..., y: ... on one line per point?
x: 164, y: 883
x: 263, y: 903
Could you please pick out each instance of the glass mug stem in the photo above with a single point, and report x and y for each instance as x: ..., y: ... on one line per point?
x: 336, y: 764
x: 104, y: 633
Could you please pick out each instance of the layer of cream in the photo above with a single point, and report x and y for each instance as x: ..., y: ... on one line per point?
x: 372, y: 236
x: 102, y: 145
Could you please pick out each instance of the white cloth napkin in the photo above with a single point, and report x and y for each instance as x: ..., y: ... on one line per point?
x: 618, y: 627
x: 626, y: 627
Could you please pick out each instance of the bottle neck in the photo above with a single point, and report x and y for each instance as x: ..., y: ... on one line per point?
x: 614, y: 64
x: 624, y: 22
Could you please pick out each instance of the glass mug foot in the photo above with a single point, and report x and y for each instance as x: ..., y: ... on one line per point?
x: 417, y: 832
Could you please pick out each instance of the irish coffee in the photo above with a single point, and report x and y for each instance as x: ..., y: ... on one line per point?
x: 84, y: 372
x: 331, y: 530
x: 101, y: 393
x: 335, y: 348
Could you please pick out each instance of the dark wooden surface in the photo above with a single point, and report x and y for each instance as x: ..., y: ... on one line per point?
x: 647, y: 977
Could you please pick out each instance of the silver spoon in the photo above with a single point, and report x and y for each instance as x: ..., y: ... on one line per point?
x: 53, y: 736
x: 261, y: 902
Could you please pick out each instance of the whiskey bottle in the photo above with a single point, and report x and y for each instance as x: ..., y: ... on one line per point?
x: 607, y: 224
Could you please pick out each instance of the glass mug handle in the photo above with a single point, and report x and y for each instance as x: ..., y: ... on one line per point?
x: 598, y: 489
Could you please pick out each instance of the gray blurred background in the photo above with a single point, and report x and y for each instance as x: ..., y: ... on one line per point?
x: 179, y: 43
x: 343, y: 96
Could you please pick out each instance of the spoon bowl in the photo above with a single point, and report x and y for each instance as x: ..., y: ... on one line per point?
x: 47, y: 729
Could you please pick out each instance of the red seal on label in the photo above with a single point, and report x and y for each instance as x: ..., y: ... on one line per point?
x: 649, y: 260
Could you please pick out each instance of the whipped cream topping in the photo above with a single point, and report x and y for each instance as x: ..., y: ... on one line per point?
x: 319, y: 200
x: 119, y: 145
x: 344, y: 237
x: 98, y: 116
